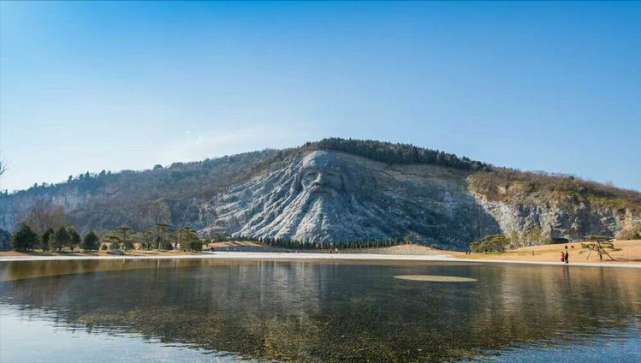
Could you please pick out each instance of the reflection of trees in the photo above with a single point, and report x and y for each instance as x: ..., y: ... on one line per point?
x: 332, y: 312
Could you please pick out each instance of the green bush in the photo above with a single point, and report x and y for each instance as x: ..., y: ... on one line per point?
x: 490, y: 243
x: 25, y: 239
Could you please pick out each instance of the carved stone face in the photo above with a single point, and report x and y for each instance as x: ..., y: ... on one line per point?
x: 321, y: 173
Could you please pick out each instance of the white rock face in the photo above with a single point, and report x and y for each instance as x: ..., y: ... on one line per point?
x: 330, y: 197
x: 553, y: 222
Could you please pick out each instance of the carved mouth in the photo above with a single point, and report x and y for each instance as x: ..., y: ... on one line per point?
x: 324, y: 190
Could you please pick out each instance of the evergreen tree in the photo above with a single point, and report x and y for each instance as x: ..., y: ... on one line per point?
x: 90, y: 242
x: 59, y: 239
x: 44, y: 239
x: 25, y: 239
x: 74, y: 238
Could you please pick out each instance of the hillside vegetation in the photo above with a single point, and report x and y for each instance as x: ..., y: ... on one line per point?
x: 517, y: 187
x: 391, y: 153
x: 106, y: 200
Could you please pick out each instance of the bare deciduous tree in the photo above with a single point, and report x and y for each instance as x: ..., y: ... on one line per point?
x: 44, y: 215
x: 148, y: 215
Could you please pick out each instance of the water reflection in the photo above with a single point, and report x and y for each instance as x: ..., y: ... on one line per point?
x: 331, y: 311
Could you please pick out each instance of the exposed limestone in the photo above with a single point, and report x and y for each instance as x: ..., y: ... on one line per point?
x: 329, y: 197
x: 552, y: 222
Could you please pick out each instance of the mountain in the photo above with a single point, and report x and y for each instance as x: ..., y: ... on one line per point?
x: 338, y: 190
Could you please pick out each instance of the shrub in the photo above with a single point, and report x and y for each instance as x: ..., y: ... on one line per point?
x: 490, y: 243
x: 24, y: 239
x: 631, y: 233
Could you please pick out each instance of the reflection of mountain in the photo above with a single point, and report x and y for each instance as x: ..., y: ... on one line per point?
x: 333, y: 312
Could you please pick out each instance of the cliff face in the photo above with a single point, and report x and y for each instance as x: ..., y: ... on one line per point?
x: 533, y: 208
x: 533, y: 224
x: 329, y: 196
x: 326, y: 196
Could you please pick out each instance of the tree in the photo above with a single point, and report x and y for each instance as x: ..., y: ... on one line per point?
x: 74, y: 238
x: 90, y: 242
x: 24, y: 239
x: 599, y: 245
x: 188, y: 240
x: 59, y: 239
x: 147, y: 239
x: 114, y: 241
x: 491, y: 243
x: 44, y: 239
x: 124, y: 232
x: 147, y: 215
x: 161, y: 234
x: 44, y: 215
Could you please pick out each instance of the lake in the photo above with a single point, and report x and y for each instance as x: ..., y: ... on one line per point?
x: 203, y: 310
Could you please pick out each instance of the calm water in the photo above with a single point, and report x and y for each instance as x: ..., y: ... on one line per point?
x: 221, y: 311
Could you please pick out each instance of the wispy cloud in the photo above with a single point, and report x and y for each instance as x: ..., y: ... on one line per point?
x: 232, y: 141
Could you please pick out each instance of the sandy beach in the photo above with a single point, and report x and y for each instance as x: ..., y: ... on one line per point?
x: 629, y: 256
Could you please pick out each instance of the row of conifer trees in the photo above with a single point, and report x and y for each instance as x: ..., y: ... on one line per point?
x: 341, y: 245
x: 25, y: 239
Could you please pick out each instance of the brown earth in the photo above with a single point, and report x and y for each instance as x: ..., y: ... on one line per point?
x: 630, y: 253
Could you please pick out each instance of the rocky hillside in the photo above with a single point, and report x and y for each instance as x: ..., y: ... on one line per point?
x: 344, y: 190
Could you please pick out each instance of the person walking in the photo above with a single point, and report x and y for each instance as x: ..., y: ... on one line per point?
x: 567, y: 255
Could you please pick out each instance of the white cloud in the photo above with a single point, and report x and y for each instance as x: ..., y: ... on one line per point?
x: 234, y: 141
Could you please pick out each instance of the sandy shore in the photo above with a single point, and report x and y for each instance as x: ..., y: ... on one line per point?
x: 543, y: 255
x: 630, y: 254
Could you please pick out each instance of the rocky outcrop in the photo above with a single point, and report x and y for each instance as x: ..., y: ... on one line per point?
x: 533, y: 224
x: 325, y: 197
x: 329, y: 197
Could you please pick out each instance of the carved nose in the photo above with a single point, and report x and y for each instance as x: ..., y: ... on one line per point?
x: 320, y: 180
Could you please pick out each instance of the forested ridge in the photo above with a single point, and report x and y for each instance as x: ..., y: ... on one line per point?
x: 107, y: 199
x: 392, y: 153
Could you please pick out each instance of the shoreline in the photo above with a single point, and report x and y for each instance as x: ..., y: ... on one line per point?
x: 310, y: 256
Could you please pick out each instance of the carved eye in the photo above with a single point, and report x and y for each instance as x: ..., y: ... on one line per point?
x: 333, y: 174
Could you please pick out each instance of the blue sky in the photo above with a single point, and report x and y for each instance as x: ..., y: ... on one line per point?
x: 86, y: 86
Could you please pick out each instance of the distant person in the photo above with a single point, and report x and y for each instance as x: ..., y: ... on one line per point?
x: 562, y: 256
x: 567, y: 257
